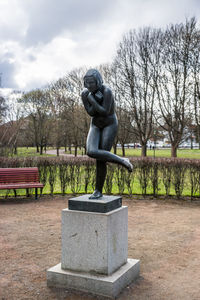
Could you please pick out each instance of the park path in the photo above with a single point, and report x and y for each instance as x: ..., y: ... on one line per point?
x: 163, y: 234
x: 62, y: 153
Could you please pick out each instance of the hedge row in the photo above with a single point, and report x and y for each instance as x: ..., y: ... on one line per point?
x: 155, y: 176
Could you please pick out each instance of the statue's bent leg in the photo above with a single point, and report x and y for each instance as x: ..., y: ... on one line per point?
x: 99, y: 144
x: 106, y: 141
x: 93, y: 140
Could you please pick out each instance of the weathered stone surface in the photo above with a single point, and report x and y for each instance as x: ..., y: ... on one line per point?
x: 94, y: 251
x: 102, y: 205
x: 109, y: 286
x: 94, y: 242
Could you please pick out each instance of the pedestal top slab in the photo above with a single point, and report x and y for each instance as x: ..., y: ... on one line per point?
x: 101, y: 205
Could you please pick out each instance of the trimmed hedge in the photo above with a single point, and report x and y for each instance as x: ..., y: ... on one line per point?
x: 156, y: 176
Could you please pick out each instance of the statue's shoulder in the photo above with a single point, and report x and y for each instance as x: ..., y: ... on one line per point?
x: 84, y: 93
x: 107, y: 90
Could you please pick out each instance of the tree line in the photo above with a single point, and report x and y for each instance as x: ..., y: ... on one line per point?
x: 154, y: 76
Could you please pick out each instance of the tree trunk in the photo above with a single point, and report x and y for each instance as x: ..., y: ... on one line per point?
x: 144, y: 150
x: 70, y: 149
x: 41, y: 150
x: 57, y: 151
x: 173, y: 151
x: 15, y: 150
x: 123, y: 150
x: 198, y: 135
x: 75, y: 150
x: 191, y: 143
x: 115, y: 148
x: 65, y: 148
x: 37, y: 149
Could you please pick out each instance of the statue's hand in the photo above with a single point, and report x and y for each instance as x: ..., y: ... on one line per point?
x: 91, y: 98
x: 96, y: 105
x: 89, y: 95
x: 99, y: 96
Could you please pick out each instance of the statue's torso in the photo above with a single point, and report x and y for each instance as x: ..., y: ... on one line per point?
x: 102, y: 122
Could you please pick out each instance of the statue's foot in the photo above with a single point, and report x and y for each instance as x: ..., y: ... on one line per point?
x: 97, y: 194
x: 128, y: 165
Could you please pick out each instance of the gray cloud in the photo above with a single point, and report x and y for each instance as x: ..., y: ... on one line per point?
x: 43, y: 39
x: 48, y: 19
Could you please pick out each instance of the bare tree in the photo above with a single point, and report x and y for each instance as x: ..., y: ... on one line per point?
x: 79, y: 118
x: 125, y: 127
x: 70, y: 120
x: 57, y: 102
x: 195, y: 87
x: 36, y: 108
x: 3, y: 108
x: 125, y: 130
x: 11, y: 121
x: 173, y: 86
x: 136, y: 61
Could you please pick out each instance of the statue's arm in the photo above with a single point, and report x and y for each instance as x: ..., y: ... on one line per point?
x: 103, y: 109
x: 88, y: 107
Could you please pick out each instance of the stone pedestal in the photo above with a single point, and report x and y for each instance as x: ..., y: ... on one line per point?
x: 94, y: 248
x: 94, y: 242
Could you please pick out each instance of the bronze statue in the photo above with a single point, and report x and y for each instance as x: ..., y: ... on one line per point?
x: 99, y: 103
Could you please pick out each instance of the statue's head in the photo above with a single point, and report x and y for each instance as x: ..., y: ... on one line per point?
x: 93, y: 80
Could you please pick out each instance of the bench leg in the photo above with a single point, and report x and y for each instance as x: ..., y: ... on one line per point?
x: 36, y: 194
x: 27, y: 193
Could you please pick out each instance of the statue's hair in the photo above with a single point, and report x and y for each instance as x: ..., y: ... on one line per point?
x: 96, y: 75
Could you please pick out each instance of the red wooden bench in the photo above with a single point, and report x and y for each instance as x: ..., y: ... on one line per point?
x: 20, y: 178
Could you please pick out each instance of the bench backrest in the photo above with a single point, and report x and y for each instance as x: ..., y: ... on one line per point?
x: 18, y: 175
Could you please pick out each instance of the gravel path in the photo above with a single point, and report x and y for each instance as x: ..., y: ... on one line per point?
x: 62, y: 153
x: 164, y: 235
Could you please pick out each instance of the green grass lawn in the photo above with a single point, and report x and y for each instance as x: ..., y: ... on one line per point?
x: 30, y: 151
x: 182, y: 153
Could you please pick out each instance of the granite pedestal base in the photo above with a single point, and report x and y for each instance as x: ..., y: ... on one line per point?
x: 94, y: 248
x: 109, y: 286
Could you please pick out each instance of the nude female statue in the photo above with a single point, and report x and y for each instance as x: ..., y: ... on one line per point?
x: 99, y: 103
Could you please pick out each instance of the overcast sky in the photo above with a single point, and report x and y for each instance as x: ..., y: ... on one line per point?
x: 41, y: 40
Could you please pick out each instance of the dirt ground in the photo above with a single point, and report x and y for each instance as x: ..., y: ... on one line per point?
x: 163, y: 234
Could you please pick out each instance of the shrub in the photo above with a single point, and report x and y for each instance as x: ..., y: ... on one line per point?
x: 75, y: 175
x: 79, y: 174
x: 178, y: 176
x: 120, y: 175
x: 64, y: 175
x: 166, y: 174
x: 154, y: 176
x: 143, y: 168
x: 88, y: 173
x: 52, y: 170
x: 109, y: 178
